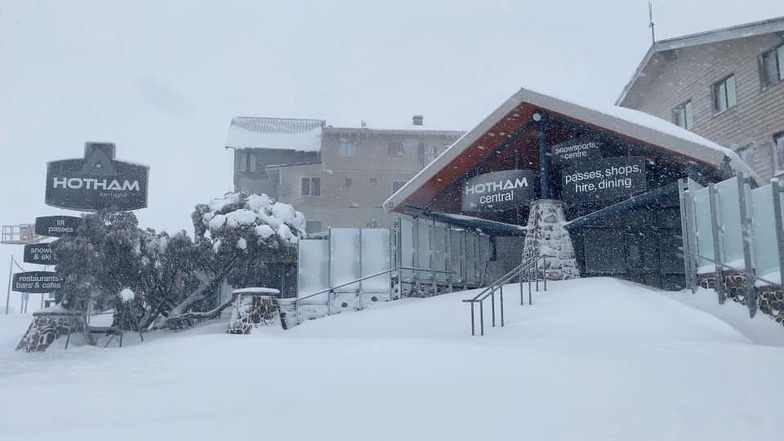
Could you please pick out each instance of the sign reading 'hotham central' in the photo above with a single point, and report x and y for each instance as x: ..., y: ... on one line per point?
x: 96, y: 182
x: 498, y: 191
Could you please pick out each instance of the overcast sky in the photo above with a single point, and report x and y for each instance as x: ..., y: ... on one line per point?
x: 162, y: 79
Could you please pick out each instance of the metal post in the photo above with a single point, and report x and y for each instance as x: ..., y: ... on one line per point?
x: 777, y: 215
x: 10, y: 276
x: 544, y: 269
x: 684, y: 200
x: 718, y: 250
x: 693, y: 242
x: 359, y: 292
x: 472, y: 319
x: 745, y: 222
x: 329, y: 271
x: 482, y: 317
x: 502, y: 306
x: 543, y: 169
x: 520, y: 280
x: 492, y: 304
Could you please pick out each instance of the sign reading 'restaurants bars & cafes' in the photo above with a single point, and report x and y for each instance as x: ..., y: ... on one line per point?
x: 96, y: 182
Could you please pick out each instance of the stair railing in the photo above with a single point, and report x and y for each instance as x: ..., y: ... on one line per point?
x: 527, y: 271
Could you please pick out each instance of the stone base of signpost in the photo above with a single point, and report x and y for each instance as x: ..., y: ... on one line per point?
x: 47, y: 326
x: 252, y: 310
x: 548, y: 238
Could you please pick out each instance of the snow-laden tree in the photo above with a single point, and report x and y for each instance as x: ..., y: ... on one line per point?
x: 234, y: 234
x: 173, y: 276
x: 101, y: 260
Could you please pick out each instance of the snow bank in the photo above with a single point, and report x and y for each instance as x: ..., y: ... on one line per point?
x: 592, y: 359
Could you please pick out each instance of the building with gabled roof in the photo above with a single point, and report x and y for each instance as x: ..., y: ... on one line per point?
x: 614, y: 169
x: 337, y: 176
x: 726, y: 85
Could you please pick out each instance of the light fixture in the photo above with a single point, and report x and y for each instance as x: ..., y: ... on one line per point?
x: 537, y: 116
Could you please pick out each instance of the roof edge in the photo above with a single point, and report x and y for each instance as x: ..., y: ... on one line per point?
x: 753, y: 29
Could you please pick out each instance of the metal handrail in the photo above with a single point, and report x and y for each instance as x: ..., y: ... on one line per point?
x: 332, y: 289
x: 518, y: 271
x: 724, y: 265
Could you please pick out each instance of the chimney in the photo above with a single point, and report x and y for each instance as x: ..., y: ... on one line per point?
x: 418, y: 119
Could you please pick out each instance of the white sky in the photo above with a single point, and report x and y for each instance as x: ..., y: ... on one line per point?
x: 163, y: 79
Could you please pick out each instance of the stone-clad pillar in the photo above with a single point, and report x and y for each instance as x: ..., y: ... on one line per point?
x: 547, y: 237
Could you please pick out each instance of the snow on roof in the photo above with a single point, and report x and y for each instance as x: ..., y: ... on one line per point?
x: 398, y: 129
x: 275, y: 133
x: 627, y: 122
x: 714, y: 36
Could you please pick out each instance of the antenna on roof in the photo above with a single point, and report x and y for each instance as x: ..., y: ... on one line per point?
x: 650, y: 22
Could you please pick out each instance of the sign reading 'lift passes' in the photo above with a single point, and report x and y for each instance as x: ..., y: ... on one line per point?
x: 57, y: 226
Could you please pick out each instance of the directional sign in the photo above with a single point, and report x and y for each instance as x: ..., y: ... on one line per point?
x: 575, y: 151
x: 40, y: 253
x: 36, y: 282
x: 605, y: 179
x: 57, y: 226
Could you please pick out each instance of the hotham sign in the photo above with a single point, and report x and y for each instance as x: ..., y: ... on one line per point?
x: 96, y: 182
x: 498, y: 191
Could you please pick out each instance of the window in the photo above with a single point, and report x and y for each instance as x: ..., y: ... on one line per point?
x: 724, y: 94
x: 396, y: 149
x: 772, y: 63
x: 347, y: 148
x: 247, y: 162
x: 396, y: 185
x: 311, y: 187
x: 347, y: 183
x: 683, y: 116
x: 778, y: 152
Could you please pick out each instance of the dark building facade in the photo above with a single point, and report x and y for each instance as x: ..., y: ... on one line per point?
x: 613, y: 171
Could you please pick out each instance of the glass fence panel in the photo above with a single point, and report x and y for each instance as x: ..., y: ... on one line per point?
x: 704, y: 224
x: 471, y: 257
x: 729, y: 221
x: 765, y: 247
x: 375, y: 259
x: 312, y: 270
x: 344, y: 264
x: 424, y: 245
x: 457, y: 250
x: 407, y: 247
x: 440, y: 250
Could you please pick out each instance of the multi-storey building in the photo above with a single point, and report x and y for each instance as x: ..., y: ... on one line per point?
x: 337, y: 176
x: 726, y: 85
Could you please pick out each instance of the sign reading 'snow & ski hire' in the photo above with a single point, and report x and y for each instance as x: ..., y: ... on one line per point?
x: 96, y: 182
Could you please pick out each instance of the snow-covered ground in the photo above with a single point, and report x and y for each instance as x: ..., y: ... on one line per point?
x: 591, y: 359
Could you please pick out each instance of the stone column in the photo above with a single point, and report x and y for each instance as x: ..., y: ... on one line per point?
x: 547, y: 237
